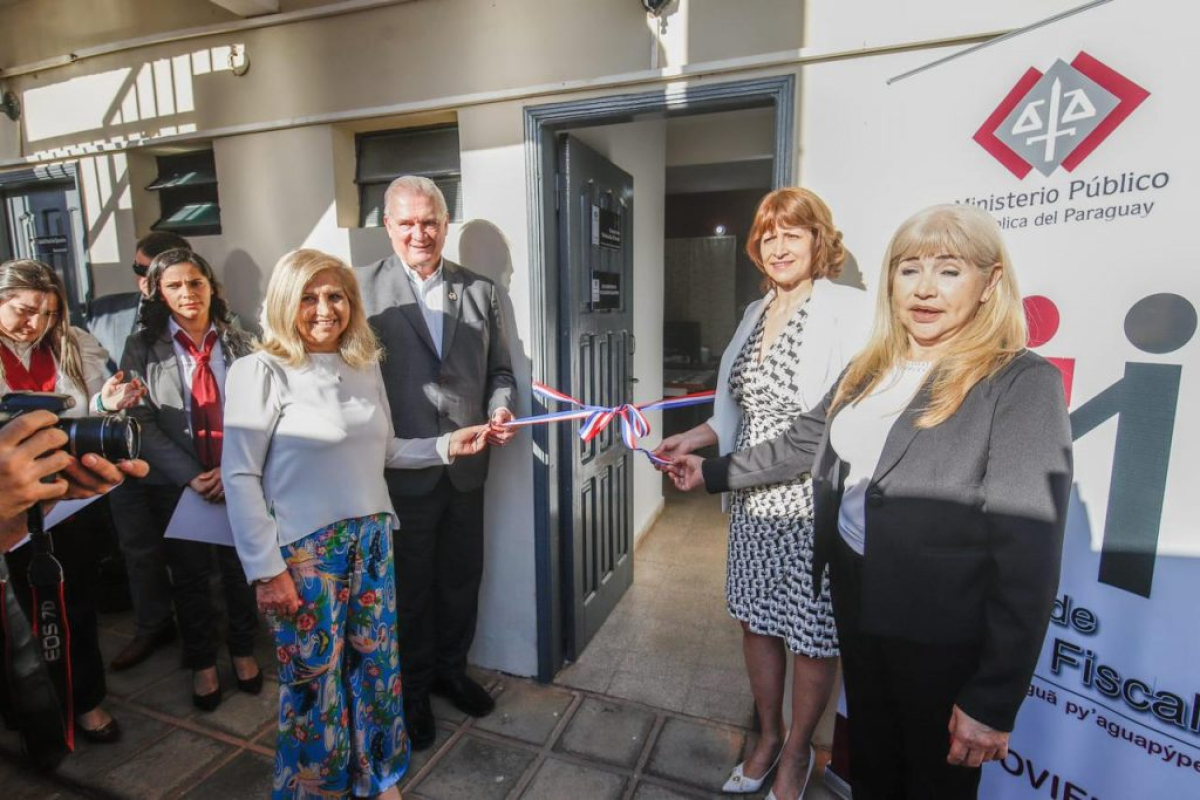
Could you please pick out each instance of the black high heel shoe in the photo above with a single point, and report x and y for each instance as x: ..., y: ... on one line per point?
x: 248, y: 685
x: 107, y: 733
x: 206, y: 702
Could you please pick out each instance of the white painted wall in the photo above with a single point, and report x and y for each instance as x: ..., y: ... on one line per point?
x: 639, y: 148
x: 833, y: 25
x: 493, y: 242
x: 717, y: 138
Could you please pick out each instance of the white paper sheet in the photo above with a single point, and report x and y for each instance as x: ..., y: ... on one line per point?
x: 62, y: 509
x: 198, y: 520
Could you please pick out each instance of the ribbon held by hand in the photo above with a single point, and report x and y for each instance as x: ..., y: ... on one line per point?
x: 634, y: 424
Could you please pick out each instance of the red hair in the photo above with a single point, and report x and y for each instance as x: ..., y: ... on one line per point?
x: 794, y: 207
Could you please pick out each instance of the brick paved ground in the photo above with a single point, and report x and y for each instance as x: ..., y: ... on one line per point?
x: 544, y: 742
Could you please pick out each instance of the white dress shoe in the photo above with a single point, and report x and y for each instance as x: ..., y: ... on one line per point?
x: 812, y: 759
x: 740, y: 783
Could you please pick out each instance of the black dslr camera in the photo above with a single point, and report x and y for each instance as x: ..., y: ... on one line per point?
x: 113, y: 438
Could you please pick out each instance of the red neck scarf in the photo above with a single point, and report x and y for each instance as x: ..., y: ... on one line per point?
x: 208, y: 425
x: 41, y: 375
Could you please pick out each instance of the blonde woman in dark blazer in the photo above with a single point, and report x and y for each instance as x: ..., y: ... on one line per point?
x: 185, y: 343
x: 941, y: 466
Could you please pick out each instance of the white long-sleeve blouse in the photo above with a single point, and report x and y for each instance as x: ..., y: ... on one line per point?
x: 305, y: 447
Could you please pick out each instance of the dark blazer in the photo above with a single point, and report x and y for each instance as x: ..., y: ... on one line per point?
x: 431, y: 396
x: 964, y: 522
x: 166, y: 429
x: 111, y: 319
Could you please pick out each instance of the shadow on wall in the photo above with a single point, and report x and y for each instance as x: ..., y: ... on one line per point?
x: 243, y: 280
x: 483, y: 248
x: 368, y: 245
x: 851, y: 274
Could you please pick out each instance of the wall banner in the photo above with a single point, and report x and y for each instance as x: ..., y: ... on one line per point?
x: 1079, y: 138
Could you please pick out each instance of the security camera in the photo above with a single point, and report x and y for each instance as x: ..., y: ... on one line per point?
x: 655, y: 7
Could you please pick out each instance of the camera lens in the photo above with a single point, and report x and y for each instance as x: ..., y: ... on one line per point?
x: 114, y: 438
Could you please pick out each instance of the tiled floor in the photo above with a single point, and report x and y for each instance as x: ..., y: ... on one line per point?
x: 670, y: 643
x: 657, y: 708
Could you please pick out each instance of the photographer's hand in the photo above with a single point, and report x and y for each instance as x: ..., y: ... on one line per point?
x: 30, y: 451
x: 93, y: 475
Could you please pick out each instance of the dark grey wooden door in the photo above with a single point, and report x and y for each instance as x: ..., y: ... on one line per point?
x: 596, y: 265
x: 44, y: 223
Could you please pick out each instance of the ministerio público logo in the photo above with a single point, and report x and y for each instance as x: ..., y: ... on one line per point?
x: 1057, y: 118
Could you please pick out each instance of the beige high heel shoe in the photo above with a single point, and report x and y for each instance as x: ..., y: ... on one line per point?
x: 812, y: 759
x: 740, y: 783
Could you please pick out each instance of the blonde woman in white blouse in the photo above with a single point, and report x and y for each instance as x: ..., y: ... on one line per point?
x: 308, y: 433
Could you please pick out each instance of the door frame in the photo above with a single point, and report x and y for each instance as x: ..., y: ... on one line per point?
x: 542, y: 123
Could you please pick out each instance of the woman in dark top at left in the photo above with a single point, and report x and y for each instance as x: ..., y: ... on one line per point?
x: 185, y: 342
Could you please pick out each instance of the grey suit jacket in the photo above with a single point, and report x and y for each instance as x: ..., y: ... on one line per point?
x: 964, y: 522
x: 111, y: 319
x: 431, y: 396
x: 166, y: 429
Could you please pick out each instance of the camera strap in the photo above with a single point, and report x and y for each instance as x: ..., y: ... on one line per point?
x: 51, y: 629
x: 30, y: 698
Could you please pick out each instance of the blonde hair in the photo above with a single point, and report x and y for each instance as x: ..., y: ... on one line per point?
x: 26, y: 274
x: 994, y: 336
x: 293, y: 273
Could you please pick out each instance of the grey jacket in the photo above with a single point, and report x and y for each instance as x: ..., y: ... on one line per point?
x: 166, y: 429
x: 431, y: 396
x: 964, y: 522
x: 111, y: 319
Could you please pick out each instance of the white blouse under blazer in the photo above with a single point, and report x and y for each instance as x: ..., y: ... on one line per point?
x: 838, y: 324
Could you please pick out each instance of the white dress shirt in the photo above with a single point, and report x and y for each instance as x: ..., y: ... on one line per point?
x: 858, y: 434
x: 306, y: 447
x: 187, y: 366
x: 431, y: 294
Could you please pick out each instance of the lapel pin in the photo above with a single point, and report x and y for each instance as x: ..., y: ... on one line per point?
x: 451, y: 296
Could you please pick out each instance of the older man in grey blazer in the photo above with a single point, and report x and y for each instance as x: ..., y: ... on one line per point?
x: 447, y: 365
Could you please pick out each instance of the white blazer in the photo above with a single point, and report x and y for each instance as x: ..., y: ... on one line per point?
x: 839, y: 321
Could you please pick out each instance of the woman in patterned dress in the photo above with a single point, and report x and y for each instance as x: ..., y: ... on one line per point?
x: 789, y: 348
x: 307, y: 436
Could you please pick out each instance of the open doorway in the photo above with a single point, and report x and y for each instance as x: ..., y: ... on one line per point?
x: 667, y: 640
x: 720, y: 147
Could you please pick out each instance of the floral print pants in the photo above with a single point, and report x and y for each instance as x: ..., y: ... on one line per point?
x: 341, y: 722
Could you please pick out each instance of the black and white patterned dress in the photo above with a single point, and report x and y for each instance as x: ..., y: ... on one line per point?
x: 769, y: 574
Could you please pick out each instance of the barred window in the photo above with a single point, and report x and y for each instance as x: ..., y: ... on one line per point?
x: 386, y: 155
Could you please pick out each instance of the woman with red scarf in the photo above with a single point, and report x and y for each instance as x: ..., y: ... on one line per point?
x: 185, y: 341
x: 41, y: 352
